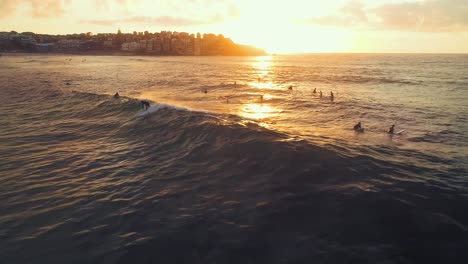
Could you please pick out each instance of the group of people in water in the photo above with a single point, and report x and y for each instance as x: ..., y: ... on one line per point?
x: 358, y: 128
x: 332, y: 95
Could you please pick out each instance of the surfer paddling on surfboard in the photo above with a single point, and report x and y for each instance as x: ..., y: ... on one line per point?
x: 358, y: 127
x: 391, y: 131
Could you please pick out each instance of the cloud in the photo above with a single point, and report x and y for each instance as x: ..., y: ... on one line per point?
x: 48, y: 8
x: 422, y: 16
x: 39, y: 8
x: 159, y: 21
x: 432, y: 15
x: 355, y: 9
x: 351, y: 14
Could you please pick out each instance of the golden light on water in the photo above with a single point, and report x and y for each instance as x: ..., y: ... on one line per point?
x: 263, y: 66
x: 257, y: 111
x: 262, y: 85
x: 263, y: 63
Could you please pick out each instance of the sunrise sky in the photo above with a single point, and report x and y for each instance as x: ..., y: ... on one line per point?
x: 439, y: 26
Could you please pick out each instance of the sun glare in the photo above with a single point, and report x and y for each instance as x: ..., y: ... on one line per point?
x: 257, y: 111
x: 279, y: 27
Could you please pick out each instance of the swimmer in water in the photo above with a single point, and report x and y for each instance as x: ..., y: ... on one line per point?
x: 358, y: 127
x: 290, y: 87
x: 116, y: 95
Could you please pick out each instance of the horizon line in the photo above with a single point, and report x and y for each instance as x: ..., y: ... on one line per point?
x: 363, y: 52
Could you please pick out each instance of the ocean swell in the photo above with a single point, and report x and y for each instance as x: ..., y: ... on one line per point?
x: 172, y: 185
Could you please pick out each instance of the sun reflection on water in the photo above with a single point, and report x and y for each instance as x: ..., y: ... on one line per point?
x: 258, y: 111
x: 264, y: 74
x: 262, y: 85
x: 263, y: 64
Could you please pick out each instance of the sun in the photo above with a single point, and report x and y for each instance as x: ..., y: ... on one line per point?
x: 280, y: 27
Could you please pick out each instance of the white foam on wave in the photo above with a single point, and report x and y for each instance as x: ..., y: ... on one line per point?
x: 156, y: 107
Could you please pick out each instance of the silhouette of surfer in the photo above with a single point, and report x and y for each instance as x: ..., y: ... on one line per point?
x: 321, y: 94
x: 391, y: 129
x: 332, y: 96
x: 116, y: 95
x: 315, y: 91
x: 290, y: 87
x: 145, y: 104
x: 358, y: 127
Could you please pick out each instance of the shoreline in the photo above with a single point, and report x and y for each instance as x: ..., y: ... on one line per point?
x: 32, y: 53
x: 112, y: 53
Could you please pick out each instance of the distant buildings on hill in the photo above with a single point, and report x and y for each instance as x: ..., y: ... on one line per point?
x: 141, y: 43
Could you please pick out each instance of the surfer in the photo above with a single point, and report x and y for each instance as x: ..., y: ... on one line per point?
x: 116, y: 95
x: 205, y: 91
x: 145, y: 104
x: 391, y: 129
x: 358, y: 127
x: 290, y: 87
x: 315, y: 91
x: 321, y: 94
x: 332, y: 96
x: 261, y: 98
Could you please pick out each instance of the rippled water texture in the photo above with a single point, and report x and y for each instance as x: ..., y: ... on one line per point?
x: 236, y: 161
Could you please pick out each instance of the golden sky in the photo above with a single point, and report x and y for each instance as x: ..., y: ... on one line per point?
x: 432, y: 26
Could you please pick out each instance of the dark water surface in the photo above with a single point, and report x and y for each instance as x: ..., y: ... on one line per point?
x: 249, y: 172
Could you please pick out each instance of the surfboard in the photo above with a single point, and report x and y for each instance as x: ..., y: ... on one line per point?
x: 399, y: 132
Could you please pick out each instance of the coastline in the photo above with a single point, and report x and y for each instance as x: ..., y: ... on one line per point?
x: 32, y: 53
x: 112, y: 53
x: 103, y: 53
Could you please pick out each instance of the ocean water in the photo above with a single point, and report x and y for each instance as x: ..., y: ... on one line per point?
x: 229, y: 165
